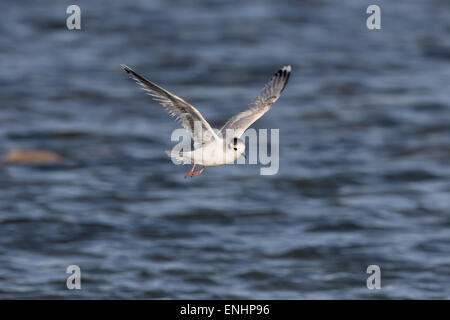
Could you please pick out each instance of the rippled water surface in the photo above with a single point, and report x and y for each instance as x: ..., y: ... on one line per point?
x: 364, y: 151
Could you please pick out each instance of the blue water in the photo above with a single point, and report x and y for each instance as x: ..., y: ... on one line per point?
x: 364, y: 151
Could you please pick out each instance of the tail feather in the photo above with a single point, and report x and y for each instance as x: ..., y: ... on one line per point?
x: 168, y: 152
x: 177, y: 157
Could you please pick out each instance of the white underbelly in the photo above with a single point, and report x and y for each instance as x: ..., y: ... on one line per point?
x: 212, y: 157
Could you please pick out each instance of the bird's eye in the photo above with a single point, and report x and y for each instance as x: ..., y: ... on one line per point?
x: 235, y: 149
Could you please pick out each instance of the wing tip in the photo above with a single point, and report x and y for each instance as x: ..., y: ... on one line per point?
x: 126, y: 68
x: 284, y: 71
x: 287, y: 68
x: 283, y: 75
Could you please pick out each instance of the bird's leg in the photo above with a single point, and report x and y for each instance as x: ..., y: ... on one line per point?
x: 197, y: 172
x: 190, y: 171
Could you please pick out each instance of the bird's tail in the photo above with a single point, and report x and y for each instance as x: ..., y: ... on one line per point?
x: 177, y: 157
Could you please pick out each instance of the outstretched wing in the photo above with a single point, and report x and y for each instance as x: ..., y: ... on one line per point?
x: 190, y: 118
x: 265, y: 100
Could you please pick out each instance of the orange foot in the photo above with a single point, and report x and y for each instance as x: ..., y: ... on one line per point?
x: 198, y: 172
x: 190, y: 171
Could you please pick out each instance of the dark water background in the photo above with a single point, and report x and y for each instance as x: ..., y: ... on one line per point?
x: 365, y: 150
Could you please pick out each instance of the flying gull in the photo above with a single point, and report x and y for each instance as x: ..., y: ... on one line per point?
x: 210, y: 148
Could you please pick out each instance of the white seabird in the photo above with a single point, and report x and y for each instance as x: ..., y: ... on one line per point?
x: 211, y: 149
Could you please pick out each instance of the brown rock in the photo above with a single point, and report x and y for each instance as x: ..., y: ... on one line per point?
x: 31, y: 157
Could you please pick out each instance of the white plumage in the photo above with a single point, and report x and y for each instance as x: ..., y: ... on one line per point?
x: 211, y: 149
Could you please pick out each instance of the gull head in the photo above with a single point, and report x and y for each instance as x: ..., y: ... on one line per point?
x: 238, y: 147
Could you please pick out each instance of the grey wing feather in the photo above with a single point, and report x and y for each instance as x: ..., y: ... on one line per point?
x: 265, y: 100
x: 190, y: 117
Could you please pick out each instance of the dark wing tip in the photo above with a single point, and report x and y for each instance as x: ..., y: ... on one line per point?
x: 135, y: 76
x: 284, y: 71
x: 287, y: 68
x: 126, y: 68
x: 284, y: 74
